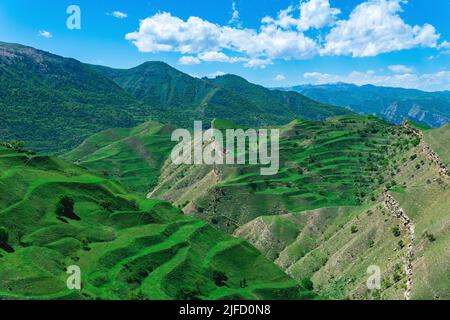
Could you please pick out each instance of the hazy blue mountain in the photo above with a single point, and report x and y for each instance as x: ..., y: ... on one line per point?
x: 392, y: 104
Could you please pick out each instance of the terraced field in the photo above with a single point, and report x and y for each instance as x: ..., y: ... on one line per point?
x: 127, y: 248
x: 335, y: 246
x: 323, y: 216
x: 132, y: 156
x: 338, y: 162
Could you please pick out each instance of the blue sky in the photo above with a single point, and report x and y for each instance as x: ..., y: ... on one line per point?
x: 270, y: 42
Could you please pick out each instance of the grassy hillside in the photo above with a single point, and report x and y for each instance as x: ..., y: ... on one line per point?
x: 180, y: 99
x: 132, y: 156
x: 325, y: 216
x: 332, y: 163
x: 438, y: 140
x: 54, y: 214
x: 334, y: 247
x: 54, y: 103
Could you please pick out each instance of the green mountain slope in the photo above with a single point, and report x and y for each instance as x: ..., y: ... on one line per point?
x: 126, y: 248
x: 132, y: 156
x: 326, y: 216
x: 392, y: 104
x: 293, y: 105
x: 337, y: 162
x: 54, y: 103
x: 180, y: 99
x: 438, y: 139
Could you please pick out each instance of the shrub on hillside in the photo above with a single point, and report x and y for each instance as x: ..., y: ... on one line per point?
x: 3, y: 235
x: 188, y: 294
x: 307, y: 284
x: 66, y: 208
x: 396, y: 231
x: 220, y: 278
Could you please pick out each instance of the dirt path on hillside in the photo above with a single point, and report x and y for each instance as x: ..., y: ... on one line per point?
x: 407, y: 224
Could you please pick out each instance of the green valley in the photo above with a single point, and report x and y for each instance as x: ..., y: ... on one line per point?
x: 126, y: 247
x: 54, y: 103
x: 336, y: 207
x: 133, y: 156
x: 87, y: 180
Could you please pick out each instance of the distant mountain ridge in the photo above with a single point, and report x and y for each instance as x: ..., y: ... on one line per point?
x: 54, y: 103
x: 180, y: 99
x: 393, y: 104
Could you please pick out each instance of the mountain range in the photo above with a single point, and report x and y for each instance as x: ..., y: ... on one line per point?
x: 54, y: 103
x: 179, y: 99
x: 393, y: 104
x: 353, y: 192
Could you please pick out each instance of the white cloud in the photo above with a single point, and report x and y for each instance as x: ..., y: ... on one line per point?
x: 399, y: 68
x: 216, y: 74
x: 375, y: 27
x: 255, y: 63
x: 188, y: 60
x: 317, y: 14
x: 166, y: 33
x: 280, y: 77
x: 215, y: 56
x: 284, y: 20
x: 119, y: 15
x: 312, y: 14
x: 45, y: 34
x: 429, y: 82
x: 444, y: 45
x: 235, y: 15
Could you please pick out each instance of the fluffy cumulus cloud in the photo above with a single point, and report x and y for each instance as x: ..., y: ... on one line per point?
x: 430, y: 81
x: 317, y: 14
x: 375, y: 27
x: 312, y: 14
x: 279, y: 77
x: 45, y: 34
x: 164, y: 33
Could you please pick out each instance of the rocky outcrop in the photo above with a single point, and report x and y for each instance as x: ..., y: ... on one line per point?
x: 258, y: 233
x: 395, y: 209
x: 434, y: 158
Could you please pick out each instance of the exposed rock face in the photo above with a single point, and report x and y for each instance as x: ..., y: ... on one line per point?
x: 434, y: 158
x: 259, y: 235
x: 390, y: 112
x: 10, y: 53
x: 395, y: 209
